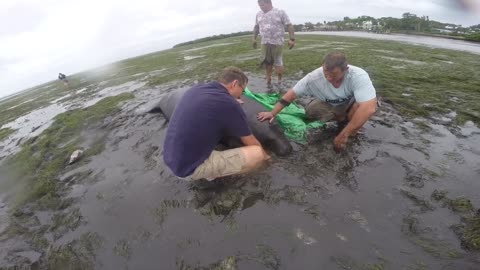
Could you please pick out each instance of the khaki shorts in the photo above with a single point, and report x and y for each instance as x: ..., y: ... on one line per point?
x: 275, y: 53
x: 220, y: 163
x: 324, y: 111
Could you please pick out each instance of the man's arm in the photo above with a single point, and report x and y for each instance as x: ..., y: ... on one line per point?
x: 287, y: 98
x: 250, y: 140
x: 291, y: 34
x: 256, y: 30
x: 364, y: 111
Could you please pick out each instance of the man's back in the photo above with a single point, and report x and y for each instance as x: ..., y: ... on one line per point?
x: 205, y: 114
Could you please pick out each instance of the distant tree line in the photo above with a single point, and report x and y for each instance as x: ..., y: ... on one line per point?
x: 408, y: 23
x: 215, y: 37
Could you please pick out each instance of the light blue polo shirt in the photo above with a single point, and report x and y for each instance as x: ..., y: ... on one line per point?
x: 356, y: 84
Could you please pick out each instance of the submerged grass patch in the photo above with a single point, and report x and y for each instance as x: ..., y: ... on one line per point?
x: 422, y: 238
x: 78, y: 254
x: 5, y: 132
x: 471, y: 234
x: 469, y: 230
x: 42, y: 158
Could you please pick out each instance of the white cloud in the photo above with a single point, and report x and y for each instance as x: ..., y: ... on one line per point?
x: 39, y: 38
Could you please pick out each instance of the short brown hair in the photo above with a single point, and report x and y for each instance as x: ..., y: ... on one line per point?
x: 335, y: 59
x: 229, y: 74
x: 265, y: 1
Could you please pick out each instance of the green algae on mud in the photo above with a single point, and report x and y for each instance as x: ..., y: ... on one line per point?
x: 43, y: 158
x: 78, y: 254
x: 5, y: 132
x: 469, y: 230
x: 470, y: 233
x: 347, y: 263
x: 39, y: 164
x: 421, y: 237
x: 418, y: 80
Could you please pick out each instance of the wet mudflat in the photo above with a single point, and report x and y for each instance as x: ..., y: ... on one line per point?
x: 403, y: 196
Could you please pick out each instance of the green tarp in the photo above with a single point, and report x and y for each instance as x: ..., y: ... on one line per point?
x: 291, y: 118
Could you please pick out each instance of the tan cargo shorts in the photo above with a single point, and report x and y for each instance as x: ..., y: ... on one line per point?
x: 220, y: 163
x: 323, y: 111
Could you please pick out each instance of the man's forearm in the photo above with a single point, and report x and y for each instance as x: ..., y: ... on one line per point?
x: 277, y: 109
x: 255, y: 32
x: 288, y: 97
x: 291, y: 31
x: 360, y: 117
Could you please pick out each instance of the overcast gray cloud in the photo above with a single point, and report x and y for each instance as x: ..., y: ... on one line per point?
x: 39, y: 38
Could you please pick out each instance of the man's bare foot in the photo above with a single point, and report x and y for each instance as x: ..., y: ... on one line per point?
x: 269, y: 85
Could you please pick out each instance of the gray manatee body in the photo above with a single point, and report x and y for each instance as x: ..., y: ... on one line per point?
x: 271, y: 136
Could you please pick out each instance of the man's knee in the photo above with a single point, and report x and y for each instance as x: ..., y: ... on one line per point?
x: 317, y: 110
x: 254, y: 155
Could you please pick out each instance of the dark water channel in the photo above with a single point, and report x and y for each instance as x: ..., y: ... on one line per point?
x: 314, y: 209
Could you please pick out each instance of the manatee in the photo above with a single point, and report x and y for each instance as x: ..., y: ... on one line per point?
x: 270, y: 135
x: 167, y: 103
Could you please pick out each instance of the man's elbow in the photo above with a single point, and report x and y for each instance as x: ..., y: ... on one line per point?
x: 371, y: 110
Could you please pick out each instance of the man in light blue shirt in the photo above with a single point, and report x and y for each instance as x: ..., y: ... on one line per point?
x: 341, y: 92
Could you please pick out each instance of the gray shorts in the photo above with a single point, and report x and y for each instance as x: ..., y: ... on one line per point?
x: 274, y: 52
x: 323, y: 111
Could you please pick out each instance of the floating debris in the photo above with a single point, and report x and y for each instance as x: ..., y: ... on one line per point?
x: 76, y: 155
x: 308, y: 240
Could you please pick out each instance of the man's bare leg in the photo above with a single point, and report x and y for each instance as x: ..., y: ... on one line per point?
x: 254, y: 157
x: 279, y: 70
x: 269, y: 69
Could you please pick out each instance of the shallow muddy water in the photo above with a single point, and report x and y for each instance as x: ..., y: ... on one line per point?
x: 315, y: 209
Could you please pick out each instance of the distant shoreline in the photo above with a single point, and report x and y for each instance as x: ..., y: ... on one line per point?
x: 424, y: 40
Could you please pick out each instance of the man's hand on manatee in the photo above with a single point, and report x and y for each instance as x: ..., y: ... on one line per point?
x: 262, y: 116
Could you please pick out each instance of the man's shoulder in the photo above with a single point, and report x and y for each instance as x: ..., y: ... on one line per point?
x: 315, y: 74
x: 356, y: 71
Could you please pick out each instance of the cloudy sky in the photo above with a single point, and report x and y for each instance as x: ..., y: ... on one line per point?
x: 39, y: 38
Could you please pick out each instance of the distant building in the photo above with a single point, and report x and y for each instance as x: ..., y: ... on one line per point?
x: 443, y: 30
x: 325, y: 27
x: 367, y: 25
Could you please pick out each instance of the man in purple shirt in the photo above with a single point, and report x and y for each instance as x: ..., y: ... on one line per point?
x: 204, y: 115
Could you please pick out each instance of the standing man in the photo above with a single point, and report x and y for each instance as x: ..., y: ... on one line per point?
x: 270, y: 22
x: 341, y: 91
x: 205, y: 114
x: 63, y: 78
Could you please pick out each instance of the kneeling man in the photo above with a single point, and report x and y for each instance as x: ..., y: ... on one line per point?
x: 204, y: 115
x: 341, y: 91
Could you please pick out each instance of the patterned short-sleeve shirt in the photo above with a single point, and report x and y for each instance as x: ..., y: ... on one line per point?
x: 272, y: 26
